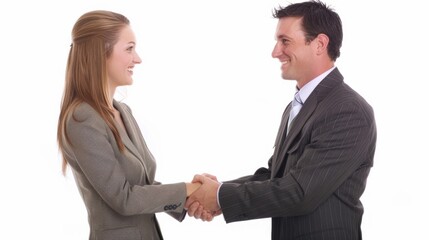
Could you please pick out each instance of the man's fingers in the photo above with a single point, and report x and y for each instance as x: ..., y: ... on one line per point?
x: 192, y: 208
x: 199, y: 212
x: 207, y: 216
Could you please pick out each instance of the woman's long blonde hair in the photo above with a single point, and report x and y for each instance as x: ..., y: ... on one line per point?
x: 93, y: 37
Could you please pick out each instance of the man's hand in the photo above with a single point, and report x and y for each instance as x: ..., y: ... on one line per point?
x: 203, y: 202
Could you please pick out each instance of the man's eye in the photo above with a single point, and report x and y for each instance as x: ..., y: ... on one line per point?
x: 285, y: 41
x: 129, y: 49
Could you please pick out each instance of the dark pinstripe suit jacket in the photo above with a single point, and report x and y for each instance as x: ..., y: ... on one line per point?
x: 318, y: 172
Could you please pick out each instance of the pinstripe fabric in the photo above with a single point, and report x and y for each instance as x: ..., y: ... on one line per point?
x: 317, y: 173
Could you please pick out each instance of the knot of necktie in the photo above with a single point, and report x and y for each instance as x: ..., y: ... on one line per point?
x: 296, y: 100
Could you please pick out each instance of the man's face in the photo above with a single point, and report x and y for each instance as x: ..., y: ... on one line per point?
x: 295, y: 54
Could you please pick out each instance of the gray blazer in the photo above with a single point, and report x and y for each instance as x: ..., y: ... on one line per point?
x: 118, y: 189
x: 317, y: 173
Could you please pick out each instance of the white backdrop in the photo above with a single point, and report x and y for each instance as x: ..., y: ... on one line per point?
x: 208, y: 98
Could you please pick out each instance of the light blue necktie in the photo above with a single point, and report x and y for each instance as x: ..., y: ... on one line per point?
x: 296, y: 106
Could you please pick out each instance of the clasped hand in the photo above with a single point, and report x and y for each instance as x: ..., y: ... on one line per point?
x: 202, y: 203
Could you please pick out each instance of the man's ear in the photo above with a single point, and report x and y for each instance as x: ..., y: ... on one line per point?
x: 321, y: 41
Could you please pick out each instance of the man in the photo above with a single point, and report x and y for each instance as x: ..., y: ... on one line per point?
x: 322, y: 157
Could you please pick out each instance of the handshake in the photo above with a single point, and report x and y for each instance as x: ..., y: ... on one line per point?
x: 202, y: 200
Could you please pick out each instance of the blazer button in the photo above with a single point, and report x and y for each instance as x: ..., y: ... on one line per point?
x: 171, y: 207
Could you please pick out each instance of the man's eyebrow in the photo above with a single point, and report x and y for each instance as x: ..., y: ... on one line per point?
x: 281, y: 36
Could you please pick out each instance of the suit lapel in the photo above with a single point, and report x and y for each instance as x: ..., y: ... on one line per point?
x: 131, y: 138
x: 281, y: 135
x: 294, y: 129
x: 128, y: 137
x: 325, y: 86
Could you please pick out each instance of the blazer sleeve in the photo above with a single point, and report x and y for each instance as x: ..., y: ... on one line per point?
x: 261, y: 174
x: 179, y: 216
x: 91, y: 150
x: 342, y: 142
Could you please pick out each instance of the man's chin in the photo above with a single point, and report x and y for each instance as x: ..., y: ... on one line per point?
x: 286, y: 77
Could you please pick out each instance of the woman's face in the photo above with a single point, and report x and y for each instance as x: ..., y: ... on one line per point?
x: 124, y: 57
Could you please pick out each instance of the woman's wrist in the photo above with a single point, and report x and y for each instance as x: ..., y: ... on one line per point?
x: 191, y: 187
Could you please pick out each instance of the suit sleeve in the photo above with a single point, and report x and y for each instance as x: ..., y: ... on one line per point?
x: 92, y: 153
x: 340, y: 143
x: 261, y: 174
x: 179, y: 216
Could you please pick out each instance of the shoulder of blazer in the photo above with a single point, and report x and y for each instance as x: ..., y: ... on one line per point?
x: 335, y: 91
x: 84, y: 112
x: 332, y: 80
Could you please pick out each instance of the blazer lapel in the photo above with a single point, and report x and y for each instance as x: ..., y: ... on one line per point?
x: 325, y: 86
x: 131, y: 138
x: 281, y: 135
x: 294, y: 129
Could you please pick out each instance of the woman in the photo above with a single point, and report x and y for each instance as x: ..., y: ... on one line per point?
x: 101, y: 141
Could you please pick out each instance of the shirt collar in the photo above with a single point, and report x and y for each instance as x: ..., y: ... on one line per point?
x: 308, y: 88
